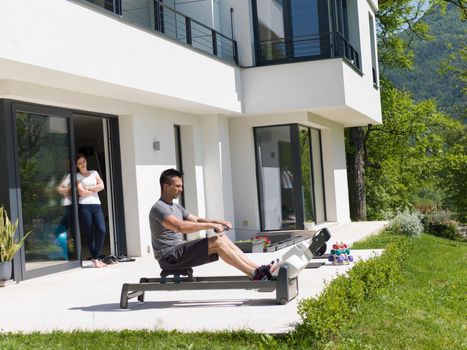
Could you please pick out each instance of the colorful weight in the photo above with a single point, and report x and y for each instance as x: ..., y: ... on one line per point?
x: 340, y: 254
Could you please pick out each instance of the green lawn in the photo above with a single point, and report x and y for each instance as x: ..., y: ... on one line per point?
x: 134, y: 340
x: 426, y: 310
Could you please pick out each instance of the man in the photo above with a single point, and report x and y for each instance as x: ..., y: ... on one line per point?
x: 169, y: 221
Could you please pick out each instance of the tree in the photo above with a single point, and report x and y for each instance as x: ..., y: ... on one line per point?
x: 393, y: 18
x: 439, y: 69
x: 410, y: 150
x: 461, y: 4
x: 392, y: 178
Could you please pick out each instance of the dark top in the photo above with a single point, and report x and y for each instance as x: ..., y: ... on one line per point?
x: 161, y: 237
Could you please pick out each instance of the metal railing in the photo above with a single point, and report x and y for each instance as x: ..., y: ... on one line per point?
x: 189, y: 31
x: 343, y: 49
x: 307, y: 47
x: 162, y: 18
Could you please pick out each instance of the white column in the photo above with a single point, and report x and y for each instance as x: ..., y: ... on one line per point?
x: 216, y: 169
x: 130, y: 186
x: 335, y: 174
x: 193, y: 179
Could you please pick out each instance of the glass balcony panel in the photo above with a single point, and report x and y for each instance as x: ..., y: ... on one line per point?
x: 305, y: 27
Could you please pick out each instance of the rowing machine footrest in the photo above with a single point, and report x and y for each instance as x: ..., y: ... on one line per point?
x: 177, y: 273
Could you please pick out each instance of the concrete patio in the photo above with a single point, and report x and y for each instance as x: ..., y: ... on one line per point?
x: 88, y: 298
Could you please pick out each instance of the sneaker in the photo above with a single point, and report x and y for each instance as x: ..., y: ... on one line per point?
x: 264, y: 272
x: 261, y: 273
x: 274, y: 265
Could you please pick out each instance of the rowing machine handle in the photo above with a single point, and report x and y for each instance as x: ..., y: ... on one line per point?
x: 226, y: 228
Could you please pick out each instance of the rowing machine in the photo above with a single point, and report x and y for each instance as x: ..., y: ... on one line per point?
x: 284, y: 281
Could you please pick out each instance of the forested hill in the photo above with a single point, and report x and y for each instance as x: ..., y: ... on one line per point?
x: 425, y: 81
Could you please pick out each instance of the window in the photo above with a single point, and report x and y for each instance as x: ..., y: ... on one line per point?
x: 342, y: 22
x: 305, y: 27
x: 178, y: 157
x: 374, y: 68
x: 290, y: 29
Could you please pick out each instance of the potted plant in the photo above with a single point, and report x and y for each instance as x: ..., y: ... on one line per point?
x: 256, y: 244
x: 309, y: 225
x: 8, y: 245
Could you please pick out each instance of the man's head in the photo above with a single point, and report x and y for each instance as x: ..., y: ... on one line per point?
x: 171, y: 182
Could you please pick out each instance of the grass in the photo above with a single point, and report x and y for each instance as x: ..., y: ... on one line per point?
x: 426, y: 310
x: 151, y: 340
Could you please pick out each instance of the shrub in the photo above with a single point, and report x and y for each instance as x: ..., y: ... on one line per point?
x: 407, y: 223
x: 447, y: 229
x: 325, y: 316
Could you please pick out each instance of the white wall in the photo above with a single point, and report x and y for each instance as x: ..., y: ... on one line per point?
x: 329, y: 88
x: 110, y: 58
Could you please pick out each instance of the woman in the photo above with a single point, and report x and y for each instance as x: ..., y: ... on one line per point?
x: 89, y: 183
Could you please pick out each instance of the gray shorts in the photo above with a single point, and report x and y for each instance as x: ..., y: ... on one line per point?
x: 186, y: 255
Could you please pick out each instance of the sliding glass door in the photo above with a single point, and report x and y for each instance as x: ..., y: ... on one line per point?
x: 276, y: 177
x: 290, y: 180
x: 38, y: 184
x: 46, y: 200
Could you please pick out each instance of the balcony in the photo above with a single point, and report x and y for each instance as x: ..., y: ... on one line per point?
x: 157, y: 16
x: 307, y: 48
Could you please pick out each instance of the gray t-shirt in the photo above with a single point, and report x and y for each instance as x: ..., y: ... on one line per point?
x: 162, y: 238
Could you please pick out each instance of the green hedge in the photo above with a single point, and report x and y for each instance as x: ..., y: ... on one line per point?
x: 447, y: 229
x: 333, y: 310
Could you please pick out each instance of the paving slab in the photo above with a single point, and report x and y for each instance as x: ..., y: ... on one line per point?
x: 88, y: 298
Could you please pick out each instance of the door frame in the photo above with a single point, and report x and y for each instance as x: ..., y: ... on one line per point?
x: 12, y: 179
x: 296, y: 170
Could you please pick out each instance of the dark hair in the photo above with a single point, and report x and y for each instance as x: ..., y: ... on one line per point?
x: 168, y: 175
x: 79, y: 155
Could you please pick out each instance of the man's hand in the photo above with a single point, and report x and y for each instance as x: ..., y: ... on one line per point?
x: 227, y: 225
x: 218, y: 228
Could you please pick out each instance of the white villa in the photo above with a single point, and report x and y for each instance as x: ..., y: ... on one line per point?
x: 249, y: 98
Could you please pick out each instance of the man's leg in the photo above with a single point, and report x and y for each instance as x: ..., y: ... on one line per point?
x: 272, y: 266
x: 239, y: 252
x: 222, y: 246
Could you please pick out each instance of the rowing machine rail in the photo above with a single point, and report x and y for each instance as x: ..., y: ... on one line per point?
x: 286, y: 288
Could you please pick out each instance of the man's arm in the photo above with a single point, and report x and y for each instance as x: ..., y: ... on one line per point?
x: 204, y: 220
x: 190, y: 225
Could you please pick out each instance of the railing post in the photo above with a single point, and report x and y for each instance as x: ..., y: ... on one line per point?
x: 117, y: 7
x: 235, y: 51
x: 157, y: 23
x: 189, y: 39
x: 214, y: 42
